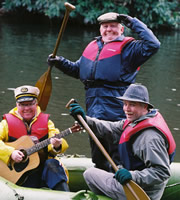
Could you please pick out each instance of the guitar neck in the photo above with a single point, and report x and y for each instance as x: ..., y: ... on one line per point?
x: 46, y: 142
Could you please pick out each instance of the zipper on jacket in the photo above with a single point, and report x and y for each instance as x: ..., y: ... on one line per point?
x: 100, y: 45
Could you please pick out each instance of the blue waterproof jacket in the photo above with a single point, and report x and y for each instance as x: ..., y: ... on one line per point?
x: 108, y: 69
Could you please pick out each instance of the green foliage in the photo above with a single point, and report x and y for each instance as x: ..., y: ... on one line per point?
x: 50, y: 8
x: 155, y: 13
x: 91, y: 9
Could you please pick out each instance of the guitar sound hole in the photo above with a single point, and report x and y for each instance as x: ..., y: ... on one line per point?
x: 18, y: 167
x: 25, y: 154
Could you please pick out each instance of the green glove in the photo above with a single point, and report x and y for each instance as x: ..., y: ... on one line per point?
x: 123, y: 176
x: 76, y: 109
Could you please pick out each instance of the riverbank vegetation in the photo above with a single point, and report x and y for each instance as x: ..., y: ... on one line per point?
x: 158, y: 14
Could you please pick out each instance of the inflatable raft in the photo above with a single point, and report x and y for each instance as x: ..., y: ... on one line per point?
x: 79, y: 190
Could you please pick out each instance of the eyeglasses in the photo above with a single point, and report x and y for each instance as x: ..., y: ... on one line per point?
x: 23, y: 105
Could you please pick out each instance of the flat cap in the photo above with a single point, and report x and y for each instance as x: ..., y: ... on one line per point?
x: 108, y: 17
x: 26, y: 93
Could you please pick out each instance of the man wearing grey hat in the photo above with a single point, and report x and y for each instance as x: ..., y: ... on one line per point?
x: 27, y: 119
x: 108, y: 65
x: 146, y: 147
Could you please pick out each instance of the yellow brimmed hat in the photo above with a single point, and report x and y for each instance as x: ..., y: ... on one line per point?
x: 108, y: 17
x: 26, y: 93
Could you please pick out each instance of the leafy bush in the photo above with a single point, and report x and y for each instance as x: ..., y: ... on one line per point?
x: 158, y: 14
x: 91, y: 9
x: 50, y: 8
x: 155, y: 13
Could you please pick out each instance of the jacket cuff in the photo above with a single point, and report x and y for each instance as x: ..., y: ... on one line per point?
x: 57, y: 150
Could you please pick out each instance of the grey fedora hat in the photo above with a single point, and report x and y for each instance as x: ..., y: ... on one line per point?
x: 137, y: 93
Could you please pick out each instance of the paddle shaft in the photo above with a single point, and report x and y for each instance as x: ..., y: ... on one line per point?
x: 69, y: 8
x: 100, y: 146
x: 93, y: 136
x: 45, y: 83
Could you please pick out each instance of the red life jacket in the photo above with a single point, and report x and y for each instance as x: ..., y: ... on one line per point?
x: 157, y: 122
x: 104, y: 62
x: 17, y: 128
x: 92, y: 49
x: 106, y: 76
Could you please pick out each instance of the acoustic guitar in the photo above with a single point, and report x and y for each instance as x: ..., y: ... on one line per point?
x: 16, y: 172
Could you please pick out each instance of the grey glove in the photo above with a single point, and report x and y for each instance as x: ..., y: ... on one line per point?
x: 56, y: 61
x: 125, y: 19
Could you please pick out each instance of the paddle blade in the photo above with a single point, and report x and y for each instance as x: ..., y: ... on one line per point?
x: 134, y: 192
x: 45, y: 86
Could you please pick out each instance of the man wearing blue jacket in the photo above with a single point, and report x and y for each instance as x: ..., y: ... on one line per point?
x: 108, y: 65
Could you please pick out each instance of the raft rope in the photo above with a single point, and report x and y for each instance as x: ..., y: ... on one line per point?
x: 18, y: 196
x: 172, y: 185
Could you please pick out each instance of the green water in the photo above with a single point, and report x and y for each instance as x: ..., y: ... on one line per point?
x: 24, y: 48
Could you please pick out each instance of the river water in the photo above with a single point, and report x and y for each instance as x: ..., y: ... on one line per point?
x: 24, y: 48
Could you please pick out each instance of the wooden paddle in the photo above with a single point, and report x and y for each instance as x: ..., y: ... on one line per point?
x: 45, y: 83
x: 131, y: 189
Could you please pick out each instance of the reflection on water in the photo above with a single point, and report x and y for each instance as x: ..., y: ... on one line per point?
x: 23, y: 52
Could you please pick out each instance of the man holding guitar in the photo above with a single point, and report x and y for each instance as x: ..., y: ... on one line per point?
x: 29, y: 143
